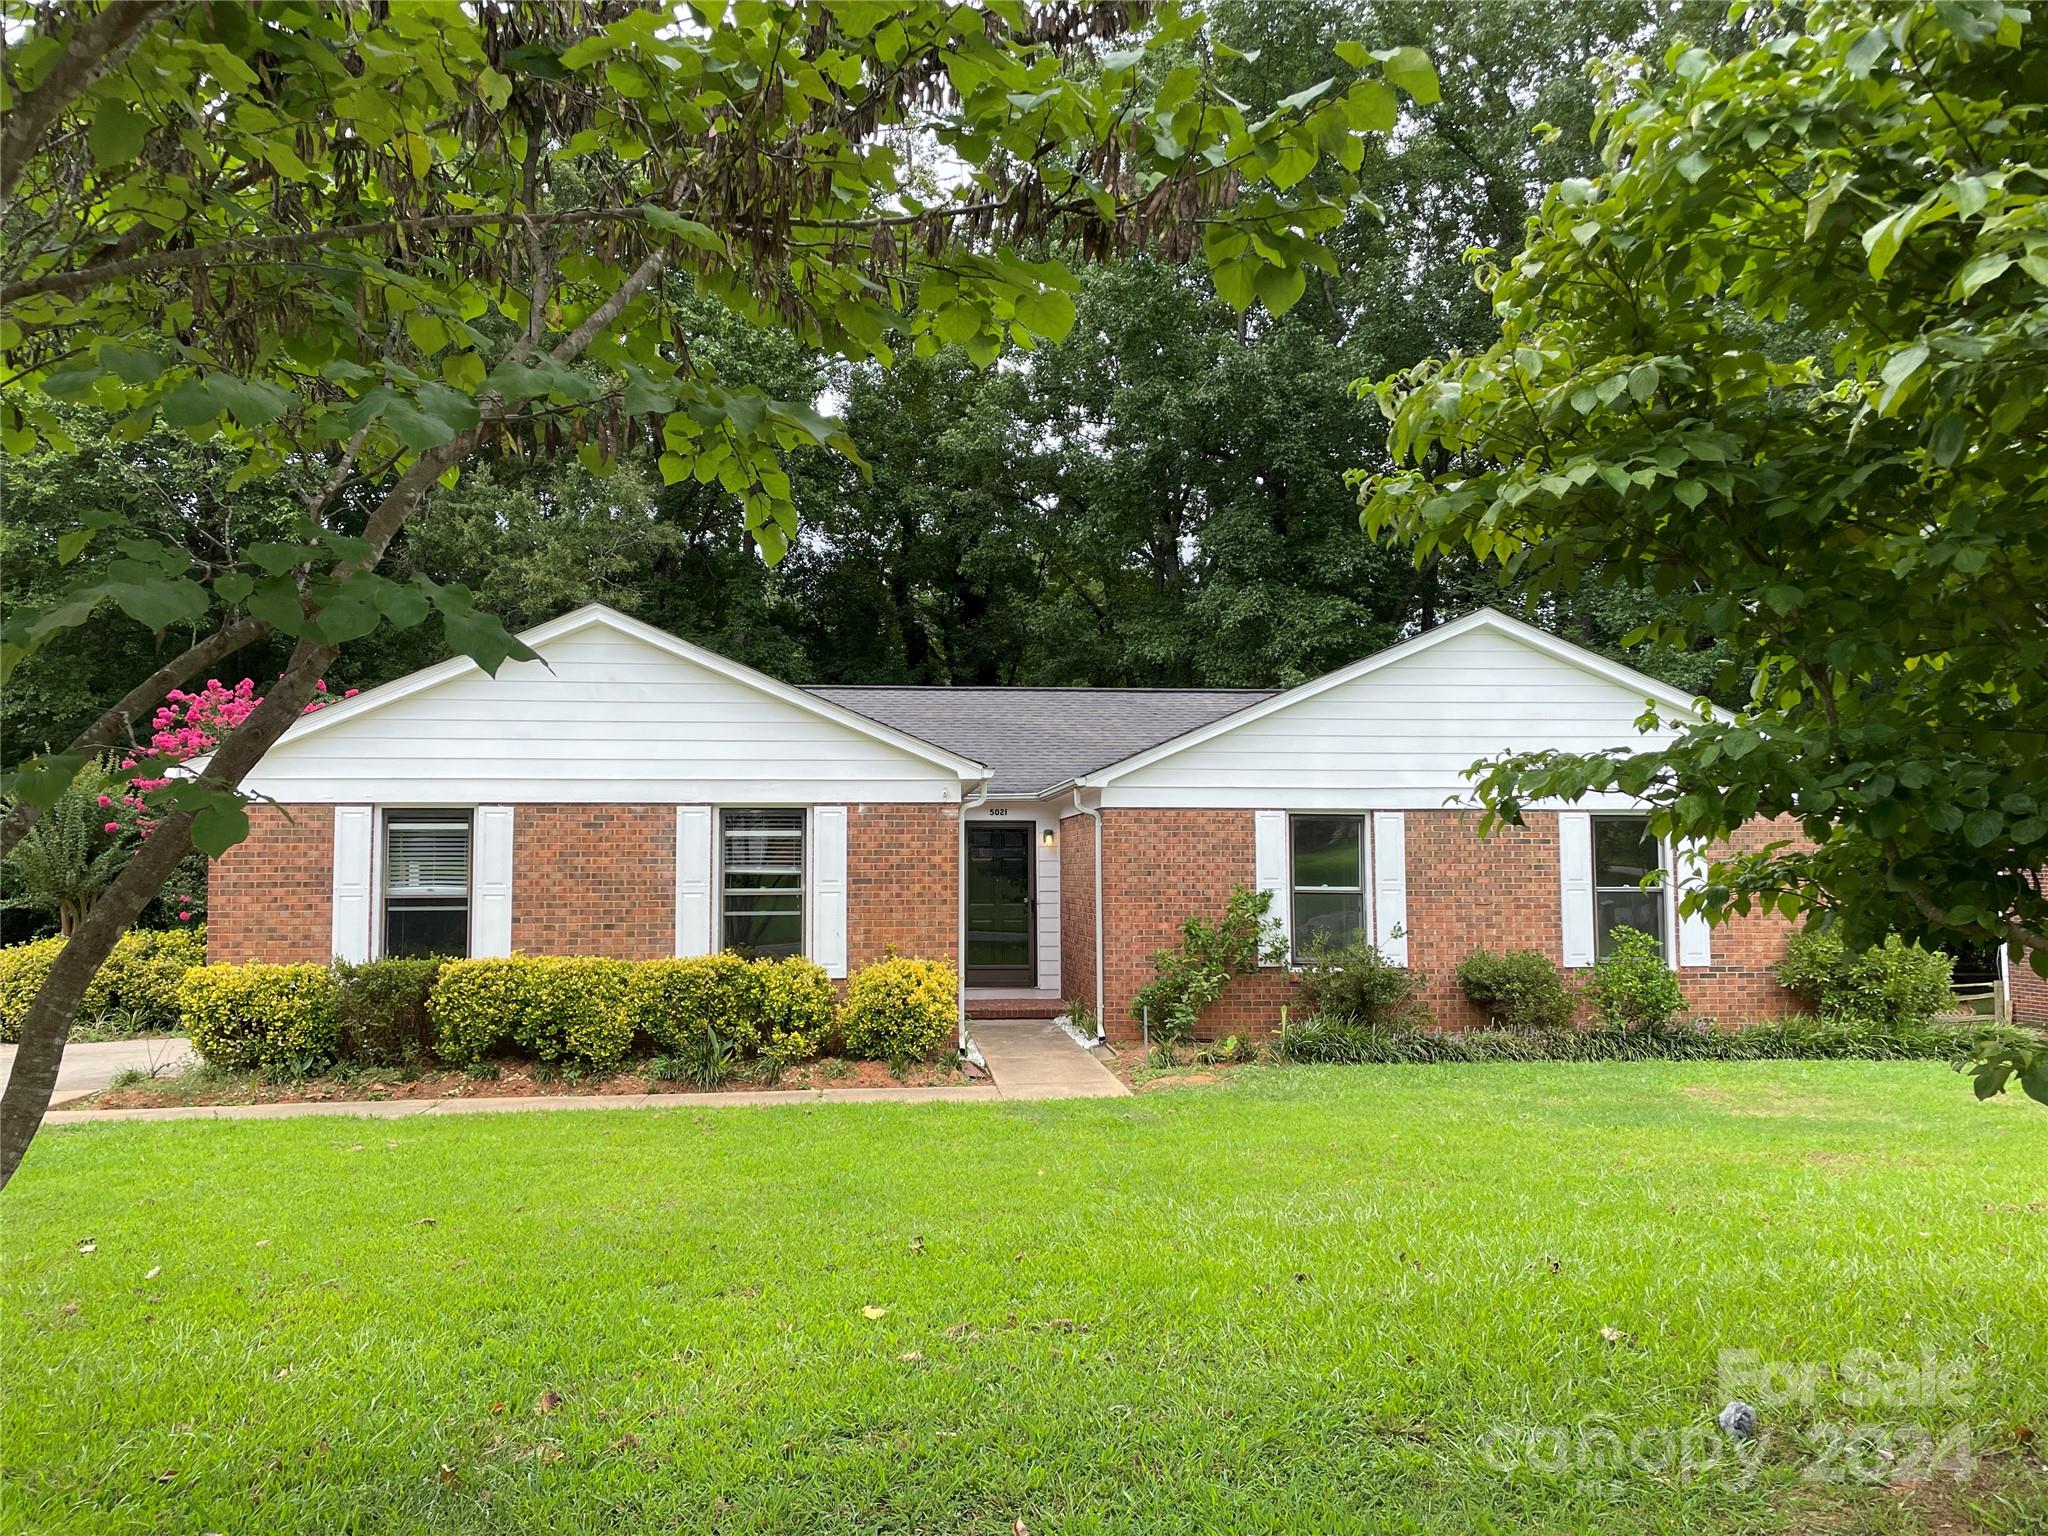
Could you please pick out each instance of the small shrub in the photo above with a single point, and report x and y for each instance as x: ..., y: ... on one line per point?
x: 1189, y: 978
x: 135, y: 992
x: 708, y: 1059
x: 898, y: 1008
x: 1633, y: 986
x: 768, y: 1069
x: 1519, y: 990
x: 271, y: 1018
x: 666, y: 1069
x: 796, y: 1008
x: 382, y: 1008
x: 670, y: 1001
x: 482, y: 1071
x: 1891, y: 983
x: 1355, y: 983
x: 553, y: 1008
x: 128, y: 1077
x: 23, y: 969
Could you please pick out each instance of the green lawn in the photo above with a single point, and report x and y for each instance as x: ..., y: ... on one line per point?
x: 1295, y: 1301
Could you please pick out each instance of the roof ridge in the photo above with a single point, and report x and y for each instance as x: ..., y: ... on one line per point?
x: 1030, y: 688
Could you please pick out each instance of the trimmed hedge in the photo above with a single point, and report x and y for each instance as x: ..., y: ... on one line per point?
x: 134, y: 993
x: 276, y: 1018
x: 674, y: 1002
x: 797, y: 1006
x: 1893, y: 981
x: 899, y: 1008
x: 1520, y: 989
x: 382, y: 1009
x: 1790, y: 1039
x: 554, y: 1008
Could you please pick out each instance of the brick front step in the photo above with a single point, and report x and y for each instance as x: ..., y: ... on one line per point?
x: 1014, y: 1008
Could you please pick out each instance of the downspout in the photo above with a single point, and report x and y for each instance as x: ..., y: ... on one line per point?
x: 978, y: 796
x: 1101, y: 1024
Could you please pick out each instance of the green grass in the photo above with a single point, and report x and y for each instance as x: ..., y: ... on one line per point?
x: 1297, y: 1301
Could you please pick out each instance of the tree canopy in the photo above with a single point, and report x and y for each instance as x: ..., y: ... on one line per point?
x: 1784, y: 358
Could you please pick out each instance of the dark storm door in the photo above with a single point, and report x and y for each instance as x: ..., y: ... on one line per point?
x: 999, y: 952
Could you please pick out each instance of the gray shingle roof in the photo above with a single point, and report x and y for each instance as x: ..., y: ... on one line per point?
x: 1034, y: 739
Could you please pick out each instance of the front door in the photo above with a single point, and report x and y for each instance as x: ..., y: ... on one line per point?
x: 999, y: 906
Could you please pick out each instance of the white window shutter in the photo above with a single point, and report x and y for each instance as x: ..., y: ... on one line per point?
x: 1390, y: 885
x: 693, y: 880
x: 1270, y: 868
x: 1695, y: 937
x: 1575, y: 885
x: 354, y: 836
x: 490, y: 891
x: 828, y: 888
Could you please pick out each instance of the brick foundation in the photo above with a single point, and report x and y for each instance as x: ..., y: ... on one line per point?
x: 2029, y: 992
x: 271, y: 896
x: 594, y: 880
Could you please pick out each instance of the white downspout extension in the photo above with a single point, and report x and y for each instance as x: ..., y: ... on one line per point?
x: 1101, y: 1024
x: 979, y: 796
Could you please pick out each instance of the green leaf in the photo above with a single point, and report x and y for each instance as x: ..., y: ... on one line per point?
x: 1410, y: 70
x: 1279, y: 287
x: 117, y: 133
x: 71, y: 543
x: 1980, y: 827
x: 129, y: 364
x: 218, y: 826
x: 252, y: 402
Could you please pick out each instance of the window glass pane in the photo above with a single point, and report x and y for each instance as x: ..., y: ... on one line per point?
x: 1623, y: 850
x: 1326, y: 851
x: 426, y: 857
x: 1640, y: 910
x: 427, y: 928
x: 762, y: 862
x: 1337, y: 915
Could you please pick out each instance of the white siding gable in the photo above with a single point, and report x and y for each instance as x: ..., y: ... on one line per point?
x: 608, y: 717
x: 1397, y: 736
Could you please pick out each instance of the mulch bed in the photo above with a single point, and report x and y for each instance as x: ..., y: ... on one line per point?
x: 515, y: 1080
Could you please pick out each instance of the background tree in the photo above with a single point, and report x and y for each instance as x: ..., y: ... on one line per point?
x: 364, y: 245
x: 1862, y: 526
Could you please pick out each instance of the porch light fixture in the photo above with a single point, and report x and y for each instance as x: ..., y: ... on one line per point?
x: 1050, y: 838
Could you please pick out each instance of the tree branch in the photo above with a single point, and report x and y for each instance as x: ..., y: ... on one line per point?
x: 96, y: 44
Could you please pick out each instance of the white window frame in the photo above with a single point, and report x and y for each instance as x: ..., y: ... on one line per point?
x: 380, y: 858
x: 1667, y: 889
x: 806, y: 897
x: 1365, y: 881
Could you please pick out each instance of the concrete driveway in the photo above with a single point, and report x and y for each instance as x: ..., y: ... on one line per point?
x: 90, y: 1066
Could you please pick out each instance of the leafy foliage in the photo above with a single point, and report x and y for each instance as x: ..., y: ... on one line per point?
x: 1843, y: 511
x: 1893, y: 982
x: 673, y: 1002
x: 1191, y: 976
x: 273, y: 1018
x: 1633, y: 985
x: 381, y: 1006
x: 1354, y: 983
x: 797, y: 1002
x: 1317, y: 1039
x: 71, y: 855
x: 555, y: 1009
x: 134, y: 993
x: 899, y: 1009
x: 1521, y: 989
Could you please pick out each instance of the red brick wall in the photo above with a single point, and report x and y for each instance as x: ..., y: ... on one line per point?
x: 2029, y: 992
x: 1464, y: 893
x: 594, y: 880
x: 902, y: 882
x: 271, y: 897
x: 1077, y: 910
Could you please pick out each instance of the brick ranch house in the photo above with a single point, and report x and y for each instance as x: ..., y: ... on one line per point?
x: 634, y: 795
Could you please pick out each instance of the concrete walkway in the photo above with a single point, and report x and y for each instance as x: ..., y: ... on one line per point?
x: 89, y: 1066
x: 1036, y: 1059
x: 1027, y: 1059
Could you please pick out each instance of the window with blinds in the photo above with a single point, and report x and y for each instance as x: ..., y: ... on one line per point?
x: 426, y: 883
x: 761, y: 881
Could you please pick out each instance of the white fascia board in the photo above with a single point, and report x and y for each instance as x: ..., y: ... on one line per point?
x: 1484, y: 618
x: 597, y: 615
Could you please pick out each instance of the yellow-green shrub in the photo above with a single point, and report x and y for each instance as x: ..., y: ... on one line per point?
x: 134, y: 992
x: 673, y: 1002
x: 554, y: 1008
x: 243, y: 1017
x: 899, y: 1008
x: 22, y: 969
x: 796, y: 1008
